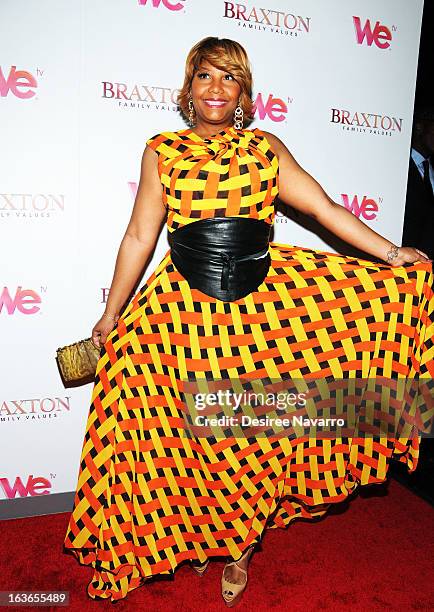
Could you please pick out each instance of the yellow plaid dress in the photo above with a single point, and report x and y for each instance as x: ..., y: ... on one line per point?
x: 149, y: 497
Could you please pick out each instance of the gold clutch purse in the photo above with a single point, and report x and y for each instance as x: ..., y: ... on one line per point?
x: 78, y: 361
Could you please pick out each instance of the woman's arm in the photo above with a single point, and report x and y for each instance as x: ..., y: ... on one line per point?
x: 300, y: 190
x: 141, y: 234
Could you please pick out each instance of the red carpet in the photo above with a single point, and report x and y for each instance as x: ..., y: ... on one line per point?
x: 375, y: 553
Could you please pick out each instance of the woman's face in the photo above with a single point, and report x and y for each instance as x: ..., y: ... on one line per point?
x: 215, y: 94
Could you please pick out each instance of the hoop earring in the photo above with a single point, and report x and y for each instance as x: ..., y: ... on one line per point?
x: 238, y: 117
x: 191, y: 112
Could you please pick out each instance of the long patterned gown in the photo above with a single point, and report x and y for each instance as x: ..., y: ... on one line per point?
x: 150, y: 497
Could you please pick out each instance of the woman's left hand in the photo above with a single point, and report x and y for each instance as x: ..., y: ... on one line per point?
x: 409, y: 255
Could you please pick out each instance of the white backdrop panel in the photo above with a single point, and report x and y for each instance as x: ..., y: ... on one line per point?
x: 71, y: 158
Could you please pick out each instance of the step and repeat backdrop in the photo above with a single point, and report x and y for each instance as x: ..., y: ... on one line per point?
x: 82, y: 86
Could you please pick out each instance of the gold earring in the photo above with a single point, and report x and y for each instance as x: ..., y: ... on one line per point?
x: 238, y: 117
x: 191, y: 111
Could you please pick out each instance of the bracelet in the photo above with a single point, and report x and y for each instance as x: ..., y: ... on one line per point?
x: 105, y: 314
x: 392, y: 253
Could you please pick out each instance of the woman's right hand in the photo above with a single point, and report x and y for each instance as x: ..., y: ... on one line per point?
x: 102, y: 328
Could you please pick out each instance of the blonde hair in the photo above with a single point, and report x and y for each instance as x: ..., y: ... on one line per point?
x: 224, y: 54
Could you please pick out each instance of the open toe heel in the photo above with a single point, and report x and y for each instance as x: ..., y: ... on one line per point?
x: 200, y: 569
x: 233, y: 591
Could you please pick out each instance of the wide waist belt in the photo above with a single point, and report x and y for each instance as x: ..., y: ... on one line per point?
x: 224, y: 257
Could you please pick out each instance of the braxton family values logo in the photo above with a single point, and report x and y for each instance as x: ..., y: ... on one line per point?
x: 31, y: 205
x: 366, y: 123
x: 34, y: 408
x: 140, y: 96
x: 261, y: 19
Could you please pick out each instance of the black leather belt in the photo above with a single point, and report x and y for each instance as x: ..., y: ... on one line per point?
x: 224, y: 257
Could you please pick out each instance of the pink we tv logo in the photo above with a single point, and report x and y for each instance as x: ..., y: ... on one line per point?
x: 19, y: 82
x: 35, y: 486
x: 379, y: 34
x: 172, y: 6
x: 366, y: 208
x: 25, y: 301
x: 273, y: 108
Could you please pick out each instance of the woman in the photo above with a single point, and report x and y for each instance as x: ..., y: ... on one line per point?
x: 226, y: 303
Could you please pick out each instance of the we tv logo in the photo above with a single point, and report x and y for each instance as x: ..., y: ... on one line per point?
x: 172, y: 6
x: 35, y: 486
x: 367, y: 208
x: 20, y: 82
x: 25, y: 301
x: 273, y: 108
x: 379, y: 34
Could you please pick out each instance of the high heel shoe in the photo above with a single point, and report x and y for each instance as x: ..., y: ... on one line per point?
x: 232, y: 591
x: 200, y: 569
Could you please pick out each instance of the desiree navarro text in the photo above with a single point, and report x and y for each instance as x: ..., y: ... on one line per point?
x: 265, y: 421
